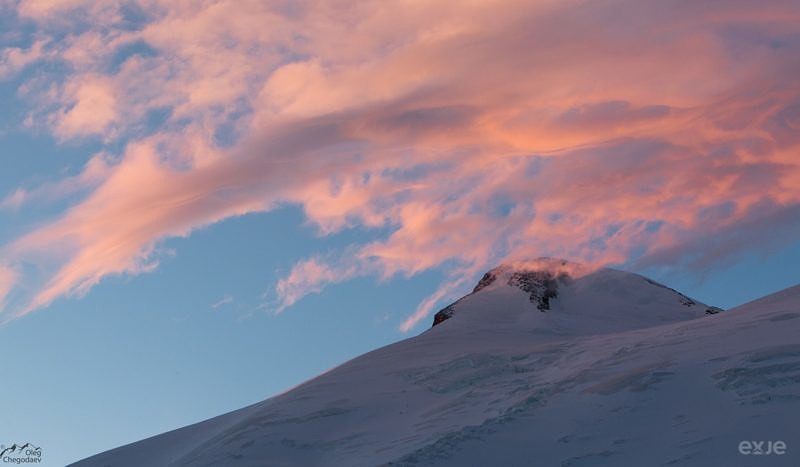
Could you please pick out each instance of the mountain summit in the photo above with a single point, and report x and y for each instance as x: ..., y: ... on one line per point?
x: 571, y: 299
x: 555, y: 365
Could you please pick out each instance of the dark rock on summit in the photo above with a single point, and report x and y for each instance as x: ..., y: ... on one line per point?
x: 541, y: 285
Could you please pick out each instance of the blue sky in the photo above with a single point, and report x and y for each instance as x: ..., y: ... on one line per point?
x: 202, y: 205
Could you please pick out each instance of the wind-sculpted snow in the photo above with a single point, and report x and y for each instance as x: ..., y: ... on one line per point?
x: 619, y: 372
x: 770, y: 374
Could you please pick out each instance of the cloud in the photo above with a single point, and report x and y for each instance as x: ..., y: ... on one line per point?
x: 424, y: 309
x: 94, y: 172
x: 92, y: 107
x: 473, y: 133
x: 8, y: 278
x: 15, y: 59
x: 308, y: 276
x: 226, y: 300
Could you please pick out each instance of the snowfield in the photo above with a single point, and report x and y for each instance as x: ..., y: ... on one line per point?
x: 616, y: 370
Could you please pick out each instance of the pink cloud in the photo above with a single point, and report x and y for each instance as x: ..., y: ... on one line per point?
x: 94, y: 172
x: 8, y: 279
x: 424, y: 309
x: 476, y: 133
x: 14, y: 59
x: 309, y: 276
x: 92, y: 108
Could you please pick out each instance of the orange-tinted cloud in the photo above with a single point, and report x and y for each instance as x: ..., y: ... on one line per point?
x: 648, y: 131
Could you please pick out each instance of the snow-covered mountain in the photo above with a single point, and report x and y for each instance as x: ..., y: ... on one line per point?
x: 544, y: 363
x: 571, y: 300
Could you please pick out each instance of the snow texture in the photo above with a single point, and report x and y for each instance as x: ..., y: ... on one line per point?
x: 545, y: 363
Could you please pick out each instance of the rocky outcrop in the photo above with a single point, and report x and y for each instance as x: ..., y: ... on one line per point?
x: 444, y: 314
x: 541, y: 285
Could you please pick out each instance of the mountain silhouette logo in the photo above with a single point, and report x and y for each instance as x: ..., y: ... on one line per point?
x: 16, y: 450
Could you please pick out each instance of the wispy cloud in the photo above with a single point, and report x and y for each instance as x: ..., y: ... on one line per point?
x: 475, y: 131
x: 93, y: 174
x: 225, y: 300
x: 8, y: 277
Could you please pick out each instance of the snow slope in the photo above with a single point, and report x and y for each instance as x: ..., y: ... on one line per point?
x: 616, y: 371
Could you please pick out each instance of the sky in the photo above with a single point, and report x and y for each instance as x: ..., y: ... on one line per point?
x: 204, y: 203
